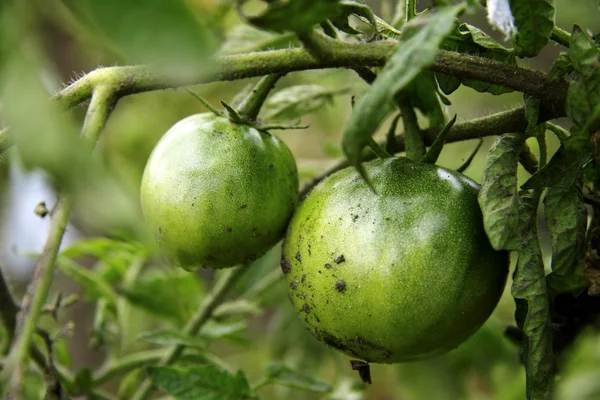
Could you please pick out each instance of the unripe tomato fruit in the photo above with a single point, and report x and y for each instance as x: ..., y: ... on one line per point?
x: 395, y: 276
x: 216, y: 193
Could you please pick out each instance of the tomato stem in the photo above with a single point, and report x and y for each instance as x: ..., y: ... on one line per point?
x: 250, y: 106
x: 415, y: 146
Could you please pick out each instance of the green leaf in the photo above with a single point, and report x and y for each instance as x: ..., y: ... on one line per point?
x: 293, y: 102
x: 565, y: 166
x: 83, y: 382
x: 285, y: 376
x: 566, y: 217
x: 534, y: 20
x: 201, y: 383
x: 247, y: 39
x: 468, y: 39
x: 412, y: 56
x: 353, y: 7
x: 215, y: 330
x: 560, y: 67
x: 436, y: 147
x: 294, y: 15
x: 237, y: 309
x: 129, y: 384
x: 533, y: 309
x: 171, y: 338
x: 174, y: 295
x: 583, y: 97
x: 498, y: 197
x: 421, y: 93
x: 92, y: 285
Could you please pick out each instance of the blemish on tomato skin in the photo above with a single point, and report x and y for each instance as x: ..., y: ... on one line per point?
x: 306, y: 308
x: 339, y: 259
x: 298, y: 257
x: 340, y: 286
x: 286, y: 266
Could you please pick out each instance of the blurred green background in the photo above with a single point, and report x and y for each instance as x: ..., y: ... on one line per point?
x: 44, y: 44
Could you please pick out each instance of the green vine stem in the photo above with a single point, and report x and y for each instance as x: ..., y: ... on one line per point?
x: 194, y: 325
x: 414, y: 144
x: 250, y: 106
x: 560, y: 132
x: 560, y: 36
x: 411, y: 9
x: 137, y: 79
x: 100, y: 107
x: 8, y: 312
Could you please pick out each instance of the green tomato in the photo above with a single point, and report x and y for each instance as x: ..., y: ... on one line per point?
x: 217, y: 194
x: 395, y: 276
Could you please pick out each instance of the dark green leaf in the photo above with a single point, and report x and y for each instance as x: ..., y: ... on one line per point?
x: 84, y: 381
x: 412, y: 56
x: 560, y: 67
x: 421, y: 93
x: 293, y: 102
x: 498, y: 197
x: 533, y: 310
x: 205, y: 382
x: 436, y: 147
x: 534, y: 20
x: 468, y: 39
x: 353, y: 7
x: 170, y: 338
x: 583, y: 97
x: 566, y: 217
x: 565, y: 165
x: 285, y: 376
x: 295, y: 15
x: 174, y: 295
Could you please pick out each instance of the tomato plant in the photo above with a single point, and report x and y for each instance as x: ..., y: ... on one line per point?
x: 423, y: 185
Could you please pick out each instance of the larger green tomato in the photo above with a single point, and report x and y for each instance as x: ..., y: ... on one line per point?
x: 395, y: 276
x: 216, y: 193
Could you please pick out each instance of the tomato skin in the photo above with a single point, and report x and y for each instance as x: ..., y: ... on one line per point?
x: 398, y: 276
x: 217, y: 194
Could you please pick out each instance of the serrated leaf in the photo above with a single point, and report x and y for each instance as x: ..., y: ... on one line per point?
x: 353, y: 7
x: 171, y: 338
x: 468, y: 39
x: 583, y: 96
x: 92, y: 285
x: 534, y: 20
x: 566, y: 217
x: 498, y: 196
x: 295, y: 15
x: 533, y: 309
x: 293, y: 102
x: 560, y: 67
x: 205, y: 382
x: 412, y: 56
x: 285, y: 376
x: 173, y: 295
x: 565, y: 165
x: 244, y: 38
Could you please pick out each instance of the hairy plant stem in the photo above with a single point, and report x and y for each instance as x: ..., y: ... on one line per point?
x: 415, y: 147
x: 560, y: 36
x: 98, y: 112
x: 194, y: 325
x: 332, y: 54
x: 250, y: 106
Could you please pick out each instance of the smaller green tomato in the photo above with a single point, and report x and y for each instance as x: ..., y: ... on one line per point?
x: 216, y: 193
x: 400, y: 275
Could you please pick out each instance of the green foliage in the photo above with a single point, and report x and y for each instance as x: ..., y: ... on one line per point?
x: 534, y: 20
x: 282, y: 375
x: 498, y: 197
x: 292, y: 103
x: 531, y: 297
x: 201, y: 383
x: 294, y: 15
